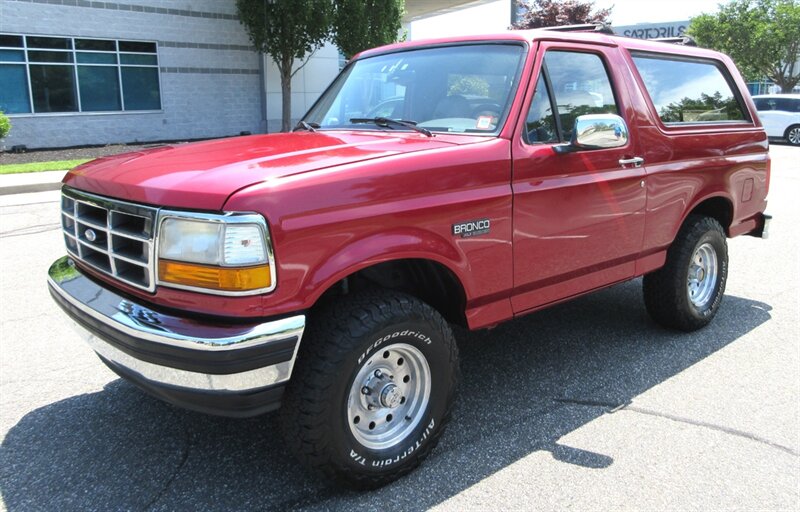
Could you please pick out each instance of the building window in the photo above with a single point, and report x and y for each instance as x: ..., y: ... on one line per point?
x: 43, y: 74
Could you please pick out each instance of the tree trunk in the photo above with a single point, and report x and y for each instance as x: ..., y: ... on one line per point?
x: 286, y: 97
x: 786, y: 83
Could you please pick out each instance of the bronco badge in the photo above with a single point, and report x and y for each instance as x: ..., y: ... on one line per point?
x: 471, y: 228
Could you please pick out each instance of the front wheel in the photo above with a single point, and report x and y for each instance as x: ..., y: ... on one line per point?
x: 686, y: 292
x: 373, y: 388
x: 792, y: 135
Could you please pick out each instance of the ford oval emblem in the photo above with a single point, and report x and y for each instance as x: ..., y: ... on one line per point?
x: 90, y: 235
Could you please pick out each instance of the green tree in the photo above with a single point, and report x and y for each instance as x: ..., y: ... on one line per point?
x: 286, y: 30
x: 362, y: 24
x: 762, y: 36
x: 553, y: 13
x: 5, y: 125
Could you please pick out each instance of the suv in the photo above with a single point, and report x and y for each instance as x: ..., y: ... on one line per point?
x: 780, y: 114
x: 320, y: 270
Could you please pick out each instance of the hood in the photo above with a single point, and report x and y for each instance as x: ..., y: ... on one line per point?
x: 203, y: 175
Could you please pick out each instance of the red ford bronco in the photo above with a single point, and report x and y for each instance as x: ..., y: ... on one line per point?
x: 461, y: 181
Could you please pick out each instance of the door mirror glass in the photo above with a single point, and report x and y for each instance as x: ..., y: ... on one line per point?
x: 599, y: 131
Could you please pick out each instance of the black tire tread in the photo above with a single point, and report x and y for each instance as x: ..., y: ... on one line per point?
x: 665, y: 289
x: 331, y: 336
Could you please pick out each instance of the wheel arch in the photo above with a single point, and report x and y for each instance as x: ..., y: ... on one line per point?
x: 425, y: 278
x: 718, y: 207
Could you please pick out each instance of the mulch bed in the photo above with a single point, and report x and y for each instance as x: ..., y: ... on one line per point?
x: 47, y: 155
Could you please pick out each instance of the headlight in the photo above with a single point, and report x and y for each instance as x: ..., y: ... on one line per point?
x: 226, y: 254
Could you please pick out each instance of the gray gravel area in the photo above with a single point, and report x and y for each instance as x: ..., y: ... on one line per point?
x: 584, y: 406
x: 49, y: 155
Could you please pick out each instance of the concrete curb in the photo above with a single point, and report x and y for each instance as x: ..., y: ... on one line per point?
x: 30, y: 182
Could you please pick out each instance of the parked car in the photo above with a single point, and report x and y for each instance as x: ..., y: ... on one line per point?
x: 780, y: 114
x: 320, y: 271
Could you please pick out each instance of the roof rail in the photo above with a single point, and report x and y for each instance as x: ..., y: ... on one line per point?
x: 585, y: 27
x: 682, y: 40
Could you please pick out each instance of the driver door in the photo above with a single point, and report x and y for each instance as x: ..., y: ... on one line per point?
x: 578, y: 216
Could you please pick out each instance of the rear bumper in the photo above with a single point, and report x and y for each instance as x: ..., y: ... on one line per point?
x: 762, y: 227
x: 228, y: 369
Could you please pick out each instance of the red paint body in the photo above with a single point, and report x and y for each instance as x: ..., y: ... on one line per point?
x: 561, y: 224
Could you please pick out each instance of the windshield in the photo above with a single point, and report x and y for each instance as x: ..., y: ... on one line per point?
x: 454, y: 89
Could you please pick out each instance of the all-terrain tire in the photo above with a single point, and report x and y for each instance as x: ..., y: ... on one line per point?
x: 345, y: 343
x: 668, y: 292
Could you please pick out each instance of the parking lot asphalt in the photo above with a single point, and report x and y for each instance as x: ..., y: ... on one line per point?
x: 586, y: 405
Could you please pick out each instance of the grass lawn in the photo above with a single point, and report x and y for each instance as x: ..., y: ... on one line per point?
x: 57, y: 165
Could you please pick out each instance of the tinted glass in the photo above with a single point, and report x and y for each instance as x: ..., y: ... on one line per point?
x: 99, y: 88
x: 9, y: 40
x: 540, y: 123
x: 39, y: 56
x: 53, y: 88
x: 56, y: 43
x: 457, y: 89
x: 140, y: 87
x: 580, y: 86
x: 95, y: 44
x: 688, y: 91
x: 137, y: 46
x: 787, y: 104
x: 12, y: 56
x: 96, y: 58
x: 146, y: 60
x: 14, y: 92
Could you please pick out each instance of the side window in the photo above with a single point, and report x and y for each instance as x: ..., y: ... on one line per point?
x: 688, y: 91
x: 787, y: 104
x: 580, y: 86
x: 540, y: 123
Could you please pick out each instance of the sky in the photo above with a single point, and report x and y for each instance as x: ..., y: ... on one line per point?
x: 495, y: 16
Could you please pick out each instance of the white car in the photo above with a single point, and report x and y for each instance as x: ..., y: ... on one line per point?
x: 780, y: 115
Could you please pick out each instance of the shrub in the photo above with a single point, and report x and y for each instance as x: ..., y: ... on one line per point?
x: 5, y: 125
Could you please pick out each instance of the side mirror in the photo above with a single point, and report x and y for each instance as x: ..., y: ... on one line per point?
x: 596, y: 131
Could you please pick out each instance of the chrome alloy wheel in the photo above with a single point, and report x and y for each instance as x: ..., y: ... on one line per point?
x: 389, y: 396
x: 703, y: 274
x: 794, y: 136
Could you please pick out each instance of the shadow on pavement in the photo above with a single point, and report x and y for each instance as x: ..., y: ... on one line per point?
x: 525, y: 385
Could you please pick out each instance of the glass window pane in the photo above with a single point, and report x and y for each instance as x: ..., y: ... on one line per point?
x: 140, y: 87
x: 688, y: 91
x: 102, y: 45
x: 145, y: 60
x: 12, y: 56
x: 39, y: 56
x: 9, y: 40
x: 99, y: 88
x: 541, y: 124
x: 580, y: 86
x: 53, y: 88
x: 96, y: 58
x: 56, y: 43
x: 14, y: 93
x: 137, y: 46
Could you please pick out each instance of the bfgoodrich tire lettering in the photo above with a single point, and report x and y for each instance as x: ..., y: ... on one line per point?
x: 679, y: 295
x: 324, y: 416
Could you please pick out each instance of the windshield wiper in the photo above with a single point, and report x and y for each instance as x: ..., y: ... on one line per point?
x: 302, y: 125
x: 385, y: 121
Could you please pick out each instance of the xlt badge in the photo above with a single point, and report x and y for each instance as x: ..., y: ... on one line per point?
x: 471, y: 228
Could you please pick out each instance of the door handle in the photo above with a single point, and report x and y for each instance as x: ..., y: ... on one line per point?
x: 637, y: 161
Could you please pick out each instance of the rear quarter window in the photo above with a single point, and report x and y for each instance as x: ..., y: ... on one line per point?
x: 689, y: 91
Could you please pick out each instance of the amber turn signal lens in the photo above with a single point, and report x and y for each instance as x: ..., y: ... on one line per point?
x: 214, y: 278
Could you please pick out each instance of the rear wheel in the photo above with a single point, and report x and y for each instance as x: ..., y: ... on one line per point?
x: 686, y: 292
x: 373, y: 388
x: 792, y: 135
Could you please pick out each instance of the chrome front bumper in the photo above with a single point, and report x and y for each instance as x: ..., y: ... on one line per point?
x: 230, y: 369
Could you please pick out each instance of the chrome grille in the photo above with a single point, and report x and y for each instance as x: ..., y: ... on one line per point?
x: 111, y: 236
